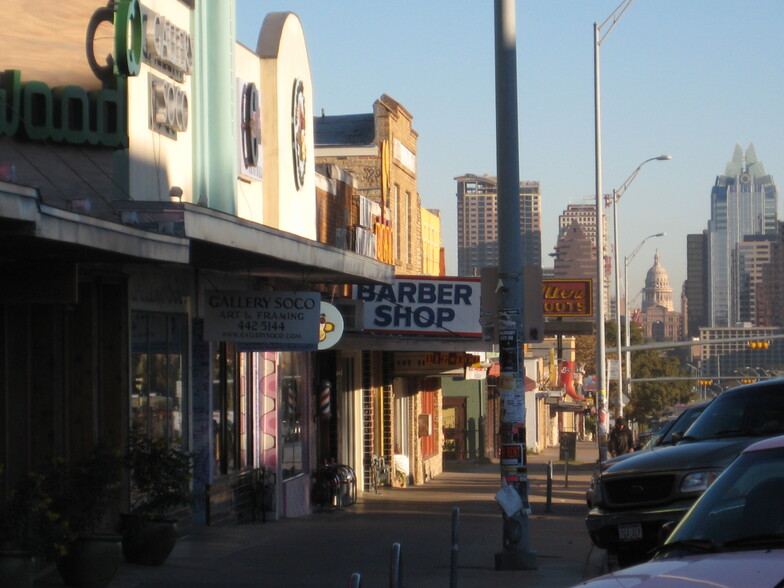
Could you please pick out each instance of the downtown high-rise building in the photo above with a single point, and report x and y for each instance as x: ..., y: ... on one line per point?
x: 744, y: 205
x: 726, y: 263
x: 585, y: 216
x: 477, y: 223
x: 575, y: 251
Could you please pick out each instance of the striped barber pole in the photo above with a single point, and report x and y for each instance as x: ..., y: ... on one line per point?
x: 325, y: 409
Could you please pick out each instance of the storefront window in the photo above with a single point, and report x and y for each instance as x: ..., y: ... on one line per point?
x: 293, y: 417
x: 159, y: 371
x: 230, y: 384
x: 225, y: 400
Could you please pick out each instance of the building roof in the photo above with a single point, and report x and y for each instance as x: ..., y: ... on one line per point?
x: 344, y: 129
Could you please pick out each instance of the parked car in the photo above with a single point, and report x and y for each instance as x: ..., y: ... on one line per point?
x: 732, y: 536
x: 674, y: 429
x: 633, y: 498
x: 670, y: 433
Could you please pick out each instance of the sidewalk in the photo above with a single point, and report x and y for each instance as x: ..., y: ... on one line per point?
x: 324, y: 549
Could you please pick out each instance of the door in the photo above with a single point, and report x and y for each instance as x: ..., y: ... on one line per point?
x: 454, y: 415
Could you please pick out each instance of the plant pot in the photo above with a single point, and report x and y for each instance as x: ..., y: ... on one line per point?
x: 91, y: 562
x: 148, y: 541
x: 17, y: 569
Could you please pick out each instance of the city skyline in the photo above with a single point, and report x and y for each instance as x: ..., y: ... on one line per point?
x: 670, y: 83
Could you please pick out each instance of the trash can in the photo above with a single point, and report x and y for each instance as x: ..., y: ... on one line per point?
x: 568, y: 445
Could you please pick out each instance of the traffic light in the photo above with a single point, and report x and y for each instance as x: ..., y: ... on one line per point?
x: 748, y: 381
x: 706, y: 382
x: 759, y: 344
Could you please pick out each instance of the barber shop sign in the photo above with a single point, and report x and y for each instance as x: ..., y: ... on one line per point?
x: 442, y: 306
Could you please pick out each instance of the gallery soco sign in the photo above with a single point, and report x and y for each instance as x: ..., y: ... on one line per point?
x: 423, y: 305
x: 264, y: 321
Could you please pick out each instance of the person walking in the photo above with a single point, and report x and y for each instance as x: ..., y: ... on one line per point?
x: 621, y: 438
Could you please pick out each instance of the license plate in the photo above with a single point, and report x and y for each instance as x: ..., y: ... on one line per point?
x: 630, y: 532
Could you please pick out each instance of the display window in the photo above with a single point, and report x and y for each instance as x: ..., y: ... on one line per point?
x: 159, y: 371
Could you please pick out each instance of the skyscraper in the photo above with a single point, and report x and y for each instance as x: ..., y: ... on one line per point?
x: 585, y: 215
x: 477, y: 223
x: 743, y: 203
x: 695, y: 306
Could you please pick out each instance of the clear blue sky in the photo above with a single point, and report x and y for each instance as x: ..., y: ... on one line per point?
x: 685, y: 78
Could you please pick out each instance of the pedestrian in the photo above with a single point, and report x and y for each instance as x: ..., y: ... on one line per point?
x: 621, y: 438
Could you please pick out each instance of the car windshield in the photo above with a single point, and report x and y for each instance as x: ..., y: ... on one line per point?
x: 683, y: 422
x: 742, y: 510
x: 741, y: 412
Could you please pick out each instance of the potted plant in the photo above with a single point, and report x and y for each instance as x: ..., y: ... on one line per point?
x: 31, y: 532
x: 160, y: 483
x: 85, y: 495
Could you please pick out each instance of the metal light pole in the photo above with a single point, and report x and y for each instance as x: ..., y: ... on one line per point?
x: 626, y: 261
x: 601, y: 353
x: 616, y: 196
x: 516, y: 554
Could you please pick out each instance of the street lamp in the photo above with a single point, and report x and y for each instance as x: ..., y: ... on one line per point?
x: 626, y: 261
x: 601, y: 353
x: 616, y: 196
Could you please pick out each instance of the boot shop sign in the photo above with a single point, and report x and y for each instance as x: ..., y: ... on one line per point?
x: 442, y: 306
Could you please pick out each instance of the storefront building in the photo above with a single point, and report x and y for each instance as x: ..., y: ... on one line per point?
x: 161, y: 226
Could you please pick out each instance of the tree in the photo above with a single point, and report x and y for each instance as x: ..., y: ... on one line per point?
x: 651, y: 399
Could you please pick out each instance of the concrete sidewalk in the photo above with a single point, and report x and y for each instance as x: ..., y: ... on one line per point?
x: 324, y: 549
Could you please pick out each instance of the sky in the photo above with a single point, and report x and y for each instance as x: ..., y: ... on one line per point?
x: 689, y: 79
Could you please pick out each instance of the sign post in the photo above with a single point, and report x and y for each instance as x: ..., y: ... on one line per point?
x: 516, y: 554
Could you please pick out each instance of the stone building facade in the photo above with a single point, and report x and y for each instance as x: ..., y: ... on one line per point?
x: 366, y: 145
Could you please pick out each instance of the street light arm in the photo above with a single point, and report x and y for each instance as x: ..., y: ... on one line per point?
x: 628, y: 259
x: 614, y: 17
x: 619, y: 192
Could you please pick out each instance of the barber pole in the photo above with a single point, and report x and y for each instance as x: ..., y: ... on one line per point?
x: 324, y: 400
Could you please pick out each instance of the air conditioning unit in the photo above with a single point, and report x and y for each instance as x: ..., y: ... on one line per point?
x: 353, y: 313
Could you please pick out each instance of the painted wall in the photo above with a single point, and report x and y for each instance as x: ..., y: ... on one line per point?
x: 249, y: 101
x: 64, y: 26
x: 160, y: 121
x: 289, y: 191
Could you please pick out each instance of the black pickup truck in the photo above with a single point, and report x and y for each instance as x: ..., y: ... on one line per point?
x: 633, y: 498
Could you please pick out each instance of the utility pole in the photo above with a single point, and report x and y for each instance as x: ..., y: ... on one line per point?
x: 516, y: 554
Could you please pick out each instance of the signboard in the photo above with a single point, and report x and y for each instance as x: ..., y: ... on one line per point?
x: 508, y: 351
x: 567, y: 298
x: 411, y: 363
x: 512, y: 454
x: 442, y: 306
x: 512, y: 407
x: 264, y: 321
x: 330, y: 326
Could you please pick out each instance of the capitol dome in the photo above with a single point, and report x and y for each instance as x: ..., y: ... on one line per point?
x: 657, y: 291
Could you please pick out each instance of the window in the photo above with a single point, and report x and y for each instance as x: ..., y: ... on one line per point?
x: 293, y: 415
x: 225, y: 408
x: 159, y: 370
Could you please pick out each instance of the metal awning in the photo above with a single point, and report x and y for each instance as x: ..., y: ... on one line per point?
x: 178, y: 233
x: 388, y: 342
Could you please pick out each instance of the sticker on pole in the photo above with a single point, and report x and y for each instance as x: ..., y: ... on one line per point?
x: 512, y: 454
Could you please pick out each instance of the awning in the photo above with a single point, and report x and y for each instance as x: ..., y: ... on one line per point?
x: 178, y: 233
